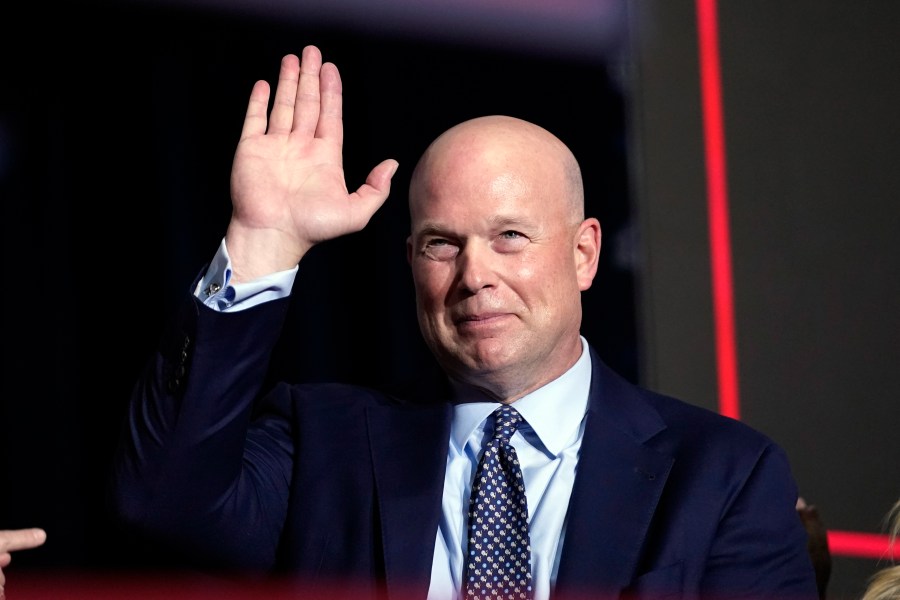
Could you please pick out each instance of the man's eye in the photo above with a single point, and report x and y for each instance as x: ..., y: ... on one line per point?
x: 440, y: 249
x: 510, y: 241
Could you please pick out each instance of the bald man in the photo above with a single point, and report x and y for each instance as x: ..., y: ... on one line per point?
x: 622, y: 492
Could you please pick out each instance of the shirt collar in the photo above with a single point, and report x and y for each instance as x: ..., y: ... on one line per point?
x: 553, y: 411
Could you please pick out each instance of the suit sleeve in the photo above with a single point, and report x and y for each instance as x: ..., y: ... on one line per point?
x: 759, y: 550
x: 195, y: 469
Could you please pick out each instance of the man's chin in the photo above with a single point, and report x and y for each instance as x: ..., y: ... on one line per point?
x: 485, y: 355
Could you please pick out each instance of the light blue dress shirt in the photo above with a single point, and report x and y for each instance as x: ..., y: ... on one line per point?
x: 547, y: 447
x: 548, y: 444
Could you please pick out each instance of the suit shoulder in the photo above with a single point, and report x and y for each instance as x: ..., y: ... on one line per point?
x: 692, y: 429
x: 680, y: 413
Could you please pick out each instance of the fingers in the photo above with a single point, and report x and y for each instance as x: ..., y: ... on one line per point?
x: 331, y: 115
x: 380, y: 177
x: 282, y: 118
x: 257, y: 108
x: 375, y: 190
x: 17, y: 539
x: 21, y: 539
x: 307, y: 99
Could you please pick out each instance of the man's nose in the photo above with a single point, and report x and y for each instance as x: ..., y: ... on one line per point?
x: 477, y: 268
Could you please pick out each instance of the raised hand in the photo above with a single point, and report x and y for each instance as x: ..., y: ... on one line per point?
x: 288, y: 189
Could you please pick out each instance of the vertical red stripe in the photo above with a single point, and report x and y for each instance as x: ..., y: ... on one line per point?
x: 717, y: 201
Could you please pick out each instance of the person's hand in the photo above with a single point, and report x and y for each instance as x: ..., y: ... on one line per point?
x: 816, y: 543
x: 288, y: 189
x: 17, y: 539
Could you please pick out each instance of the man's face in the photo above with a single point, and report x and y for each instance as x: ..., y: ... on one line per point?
x: 494, y: 252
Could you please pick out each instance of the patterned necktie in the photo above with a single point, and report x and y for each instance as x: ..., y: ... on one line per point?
x: 499, y: 560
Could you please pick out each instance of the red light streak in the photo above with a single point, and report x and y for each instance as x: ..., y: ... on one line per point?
x: 717, y: 202
x: 860, y: 545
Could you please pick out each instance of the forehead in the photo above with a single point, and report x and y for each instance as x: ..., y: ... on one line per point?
x: 487, y: 201
x: 479, y: 178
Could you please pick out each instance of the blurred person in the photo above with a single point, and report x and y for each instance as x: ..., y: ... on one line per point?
x: 885, y: 584
x: 627, y: 492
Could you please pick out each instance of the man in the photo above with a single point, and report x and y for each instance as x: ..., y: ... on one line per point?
x: 627, y: 492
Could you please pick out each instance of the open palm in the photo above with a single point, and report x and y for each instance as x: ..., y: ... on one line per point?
x: 287, y: 183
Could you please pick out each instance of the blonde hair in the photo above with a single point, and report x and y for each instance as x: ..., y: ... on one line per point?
x: 885, y: 584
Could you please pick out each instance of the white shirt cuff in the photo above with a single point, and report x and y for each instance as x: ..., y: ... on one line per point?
x: 216, y: 291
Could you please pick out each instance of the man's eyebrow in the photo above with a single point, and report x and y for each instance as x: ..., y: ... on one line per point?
x: 503, y: 221
x: 495, y: 222
x: 431, y: 228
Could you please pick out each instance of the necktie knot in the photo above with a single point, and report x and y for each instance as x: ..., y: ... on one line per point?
x: 506, y: 421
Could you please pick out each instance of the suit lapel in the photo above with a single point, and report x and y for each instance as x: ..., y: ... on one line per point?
x: 618, y: 485
x: 409, y: 454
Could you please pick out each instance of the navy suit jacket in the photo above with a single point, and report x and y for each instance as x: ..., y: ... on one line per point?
x: 342, y: 484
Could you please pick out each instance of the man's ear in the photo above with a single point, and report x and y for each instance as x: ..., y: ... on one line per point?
x: 587, y: 252
x: 409, y: 250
